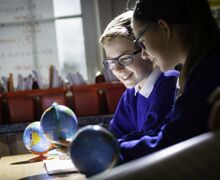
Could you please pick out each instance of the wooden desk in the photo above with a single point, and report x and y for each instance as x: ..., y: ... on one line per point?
x: 19, y: 167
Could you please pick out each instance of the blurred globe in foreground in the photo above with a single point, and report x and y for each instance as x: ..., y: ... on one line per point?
x: 35, y: 140
x: 94, y: 149
x: 59, y: 124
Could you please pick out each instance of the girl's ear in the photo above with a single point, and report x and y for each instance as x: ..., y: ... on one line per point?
x: 165, y: 28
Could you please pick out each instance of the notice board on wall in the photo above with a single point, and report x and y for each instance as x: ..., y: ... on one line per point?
x: 27, y: 37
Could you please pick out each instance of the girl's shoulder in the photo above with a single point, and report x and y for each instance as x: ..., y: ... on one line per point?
x: 167, y: 79
x: 171, y: 73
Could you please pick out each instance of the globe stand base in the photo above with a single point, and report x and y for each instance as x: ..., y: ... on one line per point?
x: 37, y: 159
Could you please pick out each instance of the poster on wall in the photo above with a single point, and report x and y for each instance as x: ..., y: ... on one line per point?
x: 27, y: 38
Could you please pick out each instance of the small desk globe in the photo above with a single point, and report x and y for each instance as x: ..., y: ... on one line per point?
x: 35, y: 140
x: 94, y: 149
x: 59, y: 124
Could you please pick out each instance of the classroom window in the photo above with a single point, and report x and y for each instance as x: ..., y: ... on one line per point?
x: 69, y: 34
x: 36, y: 33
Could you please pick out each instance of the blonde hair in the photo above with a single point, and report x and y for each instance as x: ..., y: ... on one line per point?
x: 119, y: 27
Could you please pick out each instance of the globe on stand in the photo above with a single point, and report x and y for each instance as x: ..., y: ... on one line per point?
x: 94, y: 149
x: 59, y: 124
x: 35, y: 140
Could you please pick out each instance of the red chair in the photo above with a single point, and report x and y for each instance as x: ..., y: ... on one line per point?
x: 113, y: 94
x: 86, y: 100
x: 20, y: 106
x: 96, y: 99
x: 47, y: 97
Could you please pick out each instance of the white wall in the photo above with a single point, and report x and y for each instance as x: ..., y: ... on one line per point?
x: 96, y: 15
x: 26, y: 45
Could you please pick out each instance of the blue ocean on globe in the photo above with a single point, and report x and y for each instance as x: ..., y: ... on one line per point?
x: 35, y: 140
x: 94, y: 149
x: 59, y: 123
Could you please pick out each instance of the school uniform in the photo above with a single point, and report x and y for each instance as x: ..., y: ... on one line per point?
x: 190, y: 115
x: 143, y: 110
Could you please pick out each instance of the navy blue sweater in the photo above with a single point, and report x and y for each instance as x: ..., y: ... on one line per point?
x: 137, y: 115
x: 191, y: 111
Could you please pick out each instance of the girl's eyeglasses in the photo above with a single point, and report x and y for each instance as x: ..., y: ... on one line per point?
x: 137, y: 41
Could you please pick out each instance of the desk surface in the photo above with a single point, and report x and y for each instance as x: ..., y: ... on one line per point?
x: 20, y: 167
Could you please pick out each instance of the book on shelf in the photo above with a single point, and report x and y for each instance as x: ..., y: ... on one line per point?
x: 5, y: 83
x: 10, y: 83
x: 38, y: 78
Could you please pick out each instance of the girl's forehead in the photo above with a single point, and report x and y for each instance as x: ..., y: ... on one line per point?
x: 137, y: 24
x: 137, y: 28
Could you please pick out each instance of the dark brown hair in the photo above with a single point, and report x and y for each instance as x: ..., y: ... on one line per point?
x: 198, y: 29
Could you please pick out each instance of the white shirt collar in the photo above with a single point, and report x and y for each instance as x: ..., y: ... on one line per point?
x: 178, y: 83
x: 149, y: 83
